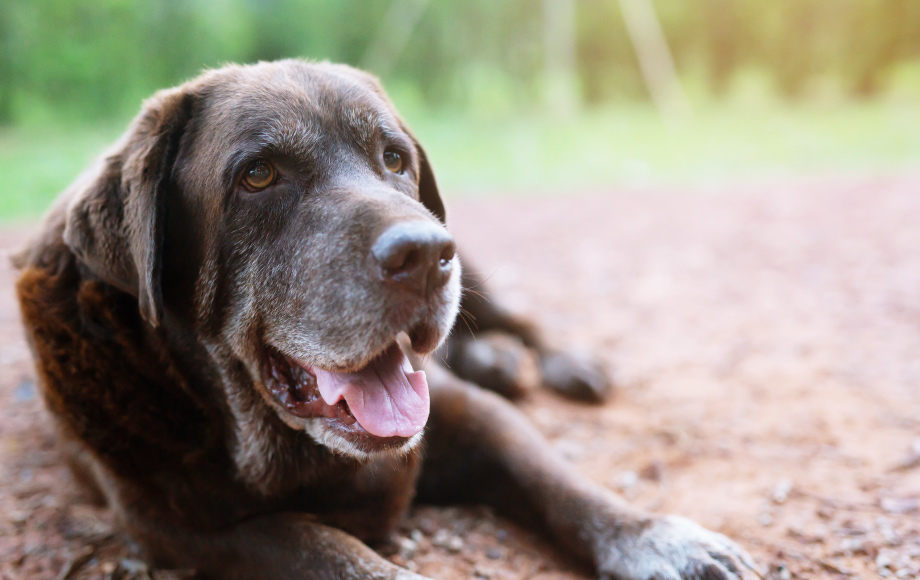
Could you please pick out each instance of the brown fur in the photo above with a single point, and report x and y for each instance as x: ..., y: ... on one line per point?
x: 156, y: 284
x: 105, y: 368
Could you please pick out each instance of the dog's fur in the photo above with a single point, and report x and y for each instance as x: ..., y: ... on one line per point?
x: 157, y: 284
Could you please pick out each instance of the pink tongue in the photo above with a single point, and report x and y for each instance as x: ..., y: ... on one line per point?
x: 386, y: 397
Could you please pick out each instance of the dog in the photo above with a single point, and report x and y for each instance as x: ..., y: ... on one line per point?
x: 231, y: 314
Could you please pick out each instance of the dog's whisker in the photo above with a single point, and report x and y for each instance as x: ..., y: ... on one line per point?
x: 478, y: 294
x: 467, y: 323
x: 466, y: 313
x: 483, y: 281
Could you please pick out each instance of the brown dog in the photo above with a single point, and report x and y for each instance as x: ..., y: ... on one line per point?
x: 214, y: 309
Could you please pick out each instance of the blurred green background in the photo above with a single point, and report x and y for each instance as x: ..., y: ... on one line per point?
x: 513, y: 96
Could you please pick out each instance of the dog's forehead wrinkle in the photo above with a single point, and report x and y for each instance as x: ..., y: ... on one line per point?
x: 352, y: 108
x: 365, y: 124
x: 293, y: 136
x: 302, y: 110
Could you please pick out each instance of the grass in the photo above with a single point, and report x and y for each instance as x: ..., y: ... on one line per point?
x: 632, y: 147
x: 35, y: 165
x: 623, y: 146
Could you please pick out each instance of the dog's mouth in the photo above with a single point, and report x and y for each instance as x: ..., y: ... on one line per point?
x: 385, y: 399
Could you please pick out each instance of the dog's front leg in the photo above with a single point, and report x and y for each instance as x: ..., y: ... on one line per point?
x: 284, y: 546
x: 508, y: 354
x: 482, y: 449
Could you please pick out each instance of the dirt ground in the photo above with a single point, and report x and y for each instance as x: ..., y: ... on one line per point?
x: 766, y: 345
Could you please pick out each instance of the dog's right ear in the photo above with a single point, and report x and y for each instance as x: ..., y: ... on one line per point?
x: 427, y: 186
x: 115, y: 223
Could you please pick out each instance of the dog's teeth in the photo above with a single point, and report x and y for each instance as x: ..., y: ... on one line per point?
x: 301, y: 375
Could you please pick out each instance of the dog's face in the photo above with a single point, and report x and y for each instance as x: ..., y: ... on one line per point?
x: 285, y: 213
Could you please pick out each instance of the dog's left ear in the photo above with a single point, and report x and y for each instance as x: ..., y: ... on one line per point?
x: 116, y: 218
x: 427, y: 186
x: 428, y: 192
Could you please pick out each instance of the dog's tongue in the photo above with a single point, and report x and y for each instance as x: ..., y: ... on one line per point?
x: 387, y: 397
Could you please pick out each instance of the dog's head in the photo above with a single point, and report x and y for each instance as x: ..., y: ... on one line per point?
x: 283, y: 214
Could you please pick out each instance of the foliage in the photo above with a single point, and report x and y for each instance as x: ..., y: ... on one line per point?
x: 78, y: 60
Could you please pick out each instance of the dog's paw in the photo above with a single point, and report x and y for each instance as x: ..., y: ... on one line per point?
x: 675, y: 548
x: 496, y: 361
x: 576, y: 375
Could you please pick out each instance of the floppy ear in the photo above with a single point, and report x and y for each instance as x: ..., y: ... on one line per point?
x: 115, y: 223
x: 427, y: 186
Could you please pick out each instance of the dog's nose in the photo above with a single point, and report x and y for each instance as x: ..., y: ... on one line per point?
x: 417, y: 255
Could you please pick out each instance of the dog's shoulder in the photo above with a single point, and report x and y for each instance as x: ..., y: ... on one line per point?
x: 106, y: 377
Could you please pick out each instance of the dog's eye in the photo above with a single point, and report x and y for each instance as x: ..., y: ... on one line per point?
x: 393, y: 161
x: 259, y: 175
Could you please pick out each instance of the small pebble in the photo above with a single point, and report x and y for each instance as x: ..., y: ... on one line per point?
x: 781, y: 490
x: 25, y: 391
x: 887, y: 531
x: 493, y: 554
x: 407, y: 547
x: 853, y: 546
x: 445, y: 539
x: 900, y: 505
x: 19, y: 517
x: 440, y: 538
x: 628, y: 480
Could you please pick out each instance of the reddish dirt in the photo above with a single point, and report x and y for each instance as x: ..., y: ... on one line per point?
x: 767, y: 350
